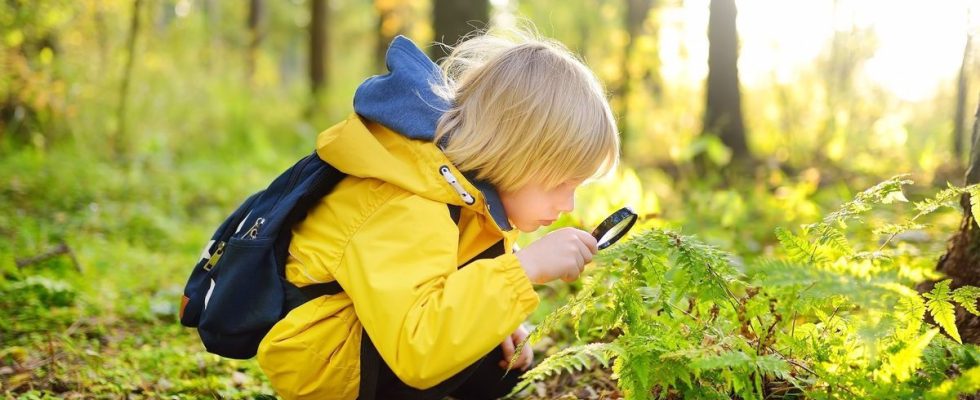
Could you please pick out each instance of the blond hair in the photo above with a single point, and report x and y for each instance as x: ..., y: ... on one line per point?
x: 524, y: 109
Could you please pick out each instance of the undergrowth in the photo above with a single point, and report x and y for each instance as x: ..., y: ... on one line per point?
x: 828, y: 315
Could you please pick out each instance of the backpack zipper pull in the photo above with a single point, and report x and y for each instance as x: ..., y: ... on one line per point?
x: 253, y: 232
x: 214, y: 257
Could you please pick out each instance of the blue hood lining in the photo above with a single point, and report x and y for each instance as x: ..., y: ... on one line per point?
x: 404, y: 101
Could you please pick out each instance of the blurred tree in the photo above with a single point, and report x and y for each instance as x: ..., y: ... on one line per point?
x: 31, y: 88
x: 255, y: 17
x: 394, y: 18
x: 849, y: 47
x: 962, y: 259
x: 723, y: 111
x: 318, y: 45
x: 452, y: 19
x: 636, y: 14
x: 118, y: 140
x: 211, y: 12
x: 962, y: 86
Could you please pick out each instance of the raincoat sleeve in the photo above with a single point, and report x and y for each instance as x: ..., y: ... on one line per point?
x: 427, y: 319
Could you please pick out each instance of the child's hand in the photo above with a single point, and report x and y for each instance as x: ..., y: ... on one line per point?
x: 559, y: 254
x: 510, y: 345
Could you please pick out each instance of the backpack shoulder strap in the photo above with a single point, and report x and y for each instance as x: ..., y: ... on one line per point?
x: 370, y: 359
x: 454, y: 212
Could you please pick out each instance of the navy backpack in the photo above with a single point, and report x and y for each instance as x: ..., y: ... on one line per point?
x: 238, y: 289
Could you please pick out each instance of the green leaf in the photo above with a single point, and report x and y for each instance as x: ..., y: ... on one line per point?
x: 903, y: 364
x: 975, y: 203
x: 799, y: 248
x: 836, y: 240
x: 570, y: 359
x: 894, y: 196
x: 945, y: 198
x: 894, y: 229
x: 966, y: 296
x: 911, y: 310
x: 730, y: 359
x: 942, y: 310
x: 967, y: 383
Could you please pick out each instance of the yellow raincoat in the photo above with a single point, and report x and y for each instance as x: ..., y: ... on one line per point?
x: 386, y: 235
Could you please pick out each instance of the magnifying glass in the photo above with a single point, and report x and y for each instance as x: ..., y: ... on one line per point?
x: 614, y: 227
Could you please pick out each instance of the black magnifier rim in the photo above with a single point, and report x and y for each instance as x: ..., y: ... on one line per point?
x: 610, y: 222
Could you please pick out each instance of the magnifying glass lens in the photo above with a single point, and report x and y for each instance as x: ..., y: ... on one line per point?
x: 615, y: 232
x: 614, y: 227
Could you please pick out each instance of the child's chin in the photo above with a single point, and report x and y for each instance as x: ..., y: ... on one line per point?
x: 528, y: 228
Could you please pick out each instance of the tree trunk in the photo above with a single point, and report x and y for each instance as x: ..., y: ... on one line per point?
x: 117, y: 141
x: 394, y: 18
x: 255, y: 15
x: 962, y: 259
x: 318, y: 46
x: 723, y: 111
x: 211, y: 11
x: 961, y: 88
x: 453, y: 19
x: 636, y: 14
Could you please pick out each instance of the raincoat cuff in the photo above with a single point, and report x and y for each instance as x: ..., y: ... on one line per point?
x: 518, y: 280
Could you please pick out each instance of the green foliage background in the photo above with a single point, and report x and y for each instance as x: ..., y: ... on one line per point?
x: 134, y: 207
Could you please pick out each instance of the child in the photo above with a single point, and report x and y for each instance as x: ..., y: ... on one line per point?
x: 506, y: 131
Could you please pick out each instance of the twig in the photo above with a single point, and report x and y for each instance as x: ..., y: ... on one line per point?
x: 807, y: 369
x: 792, y: 329
x: 60, y: 249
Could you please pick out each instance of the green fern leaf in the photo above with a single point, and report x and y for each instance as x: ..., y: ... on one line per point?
x: 881, y: 193
x: 571, y: 359
x: 967, y: 383
x: 975, y: 203
x: 894, y: 229
x: 798, y: 248
x: 966, y: 297
x: 942, y: 310
x: 945, y: 198
x: 729, y: 359
x: 902, y: 364
x: 910, y: 310
x: 836, y: 240
x: 773, y: 366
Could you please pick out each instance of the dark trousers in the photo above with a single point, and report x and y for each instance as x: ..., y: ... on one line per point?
x: 483, y: 379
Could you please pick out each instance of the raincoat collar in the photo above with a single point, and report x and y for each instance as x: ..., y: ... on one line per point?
x: 404, y: 101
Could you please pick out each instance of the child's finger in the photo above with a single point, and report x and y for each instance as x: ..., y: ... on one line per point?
x: 527, y: 357
x: 508, y: 347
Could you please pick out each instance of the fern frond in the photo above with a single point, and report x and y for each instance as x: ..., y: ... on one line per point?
x: 910, y: 310
x: 894, y: 229
x: 966, y: 297
x: 974, y: 191
x: 902, y: 364
x: 941, y: 309
x: 948, y: 197
x: 773, y: 366
x: 882, y: 193
x: 965, y: 384
x: 798, y: 248
x: 729, y: 359
x: 571, y: 359
x: 835, y: 239
x: 585, y: 299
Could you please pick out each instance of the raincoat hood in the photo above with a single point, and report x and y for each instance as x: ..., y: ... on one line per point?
x: 391, y: 108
